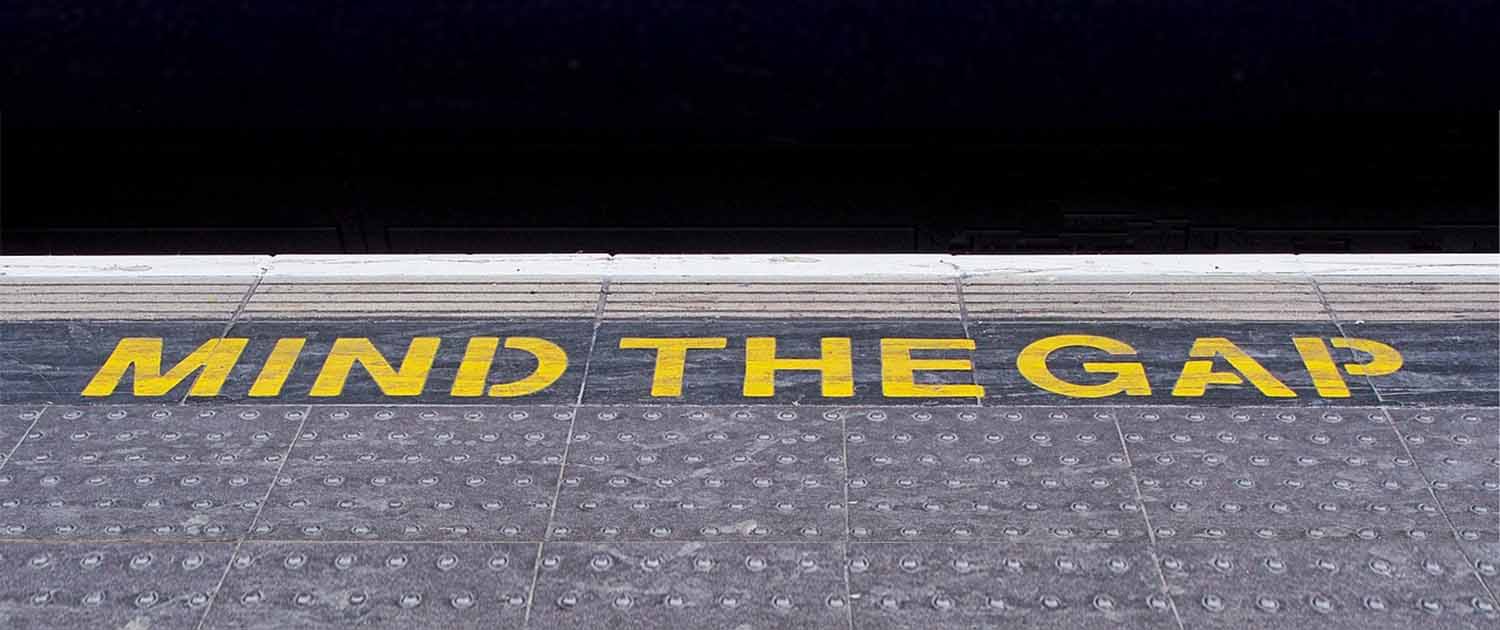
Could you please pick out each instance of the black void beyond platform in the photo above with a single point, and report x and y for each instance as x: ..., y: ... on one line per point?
x: 594, y: 442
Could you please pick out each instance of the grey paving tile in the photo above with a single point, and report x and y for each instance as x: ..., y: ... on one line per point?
x: 430, y: 434
x: 744, y: 586
x: 147, y: 436
x: 419, y: 473
x: 1385, y: 584
x: 144, y: 472
x: 1458, y: 450
x: 703, y: 473
x: 164, y: 503
x: 1486, y: 559
x: 375, y: 585
x: 1025, y: 473
x: 15, y: 420
x: 107, y: 585
x: 992, y: 585
x: 1277, y: 474
x: 409, y: 502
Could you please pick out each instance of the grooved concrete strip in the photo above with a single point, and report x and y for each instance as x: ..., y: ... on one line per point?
x: 435, y: 298
x: 213, y: 301
x: 1240, y: 299
x: 1399, y: 298
x: 783, y: 300
x: 1244, y: 288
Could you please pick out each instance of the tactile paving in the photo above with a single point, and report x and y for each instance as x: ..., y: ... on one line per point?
x: 149, y: 436
x: 691, y: 585
x: 915, y: 586
x: 162, y: 504
x: 144, y: 472
x: 419, y: 473
x: 1387, y: 584
x: 1486, y: 560
x: 409, y: 502
x: 449, y: 435
x: 375, y: 585
x: 1459, y: 452
x: 108, y: 586
x: 767, y: 516
x: 1267, y: 474
x: 1023, y: 473
x: 15, y: 420
x: 703, y: 473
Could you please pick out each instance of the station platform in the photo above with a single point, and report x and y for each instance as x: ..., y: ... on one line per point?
x: 750, y: 442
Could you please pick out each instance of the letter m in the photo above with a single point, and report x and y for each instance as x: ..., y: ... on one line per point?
x: 216, y: 357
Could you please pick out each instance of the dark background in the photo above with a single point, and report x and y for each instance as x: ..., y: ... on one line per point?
x: 650, y: 126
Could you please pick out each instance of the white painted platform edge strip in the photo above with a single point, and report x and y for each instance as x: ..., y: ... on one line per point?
x: 111, y: 268
x: 769, y: 267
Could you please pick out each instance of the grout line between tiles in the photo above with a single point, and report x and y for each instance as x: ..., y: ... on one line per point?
x: 979, y: 541
x: 42, y: 376
x: 848, y: 585
x: 234, y: 316
x: 613, y: 541
x: 29, y: 428
x: 266, y: 498
x: 1406, y: 448
x: 963, y: 320
x: 536, y: 570
x: 1442, y: 509
x: 1151, y: 543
